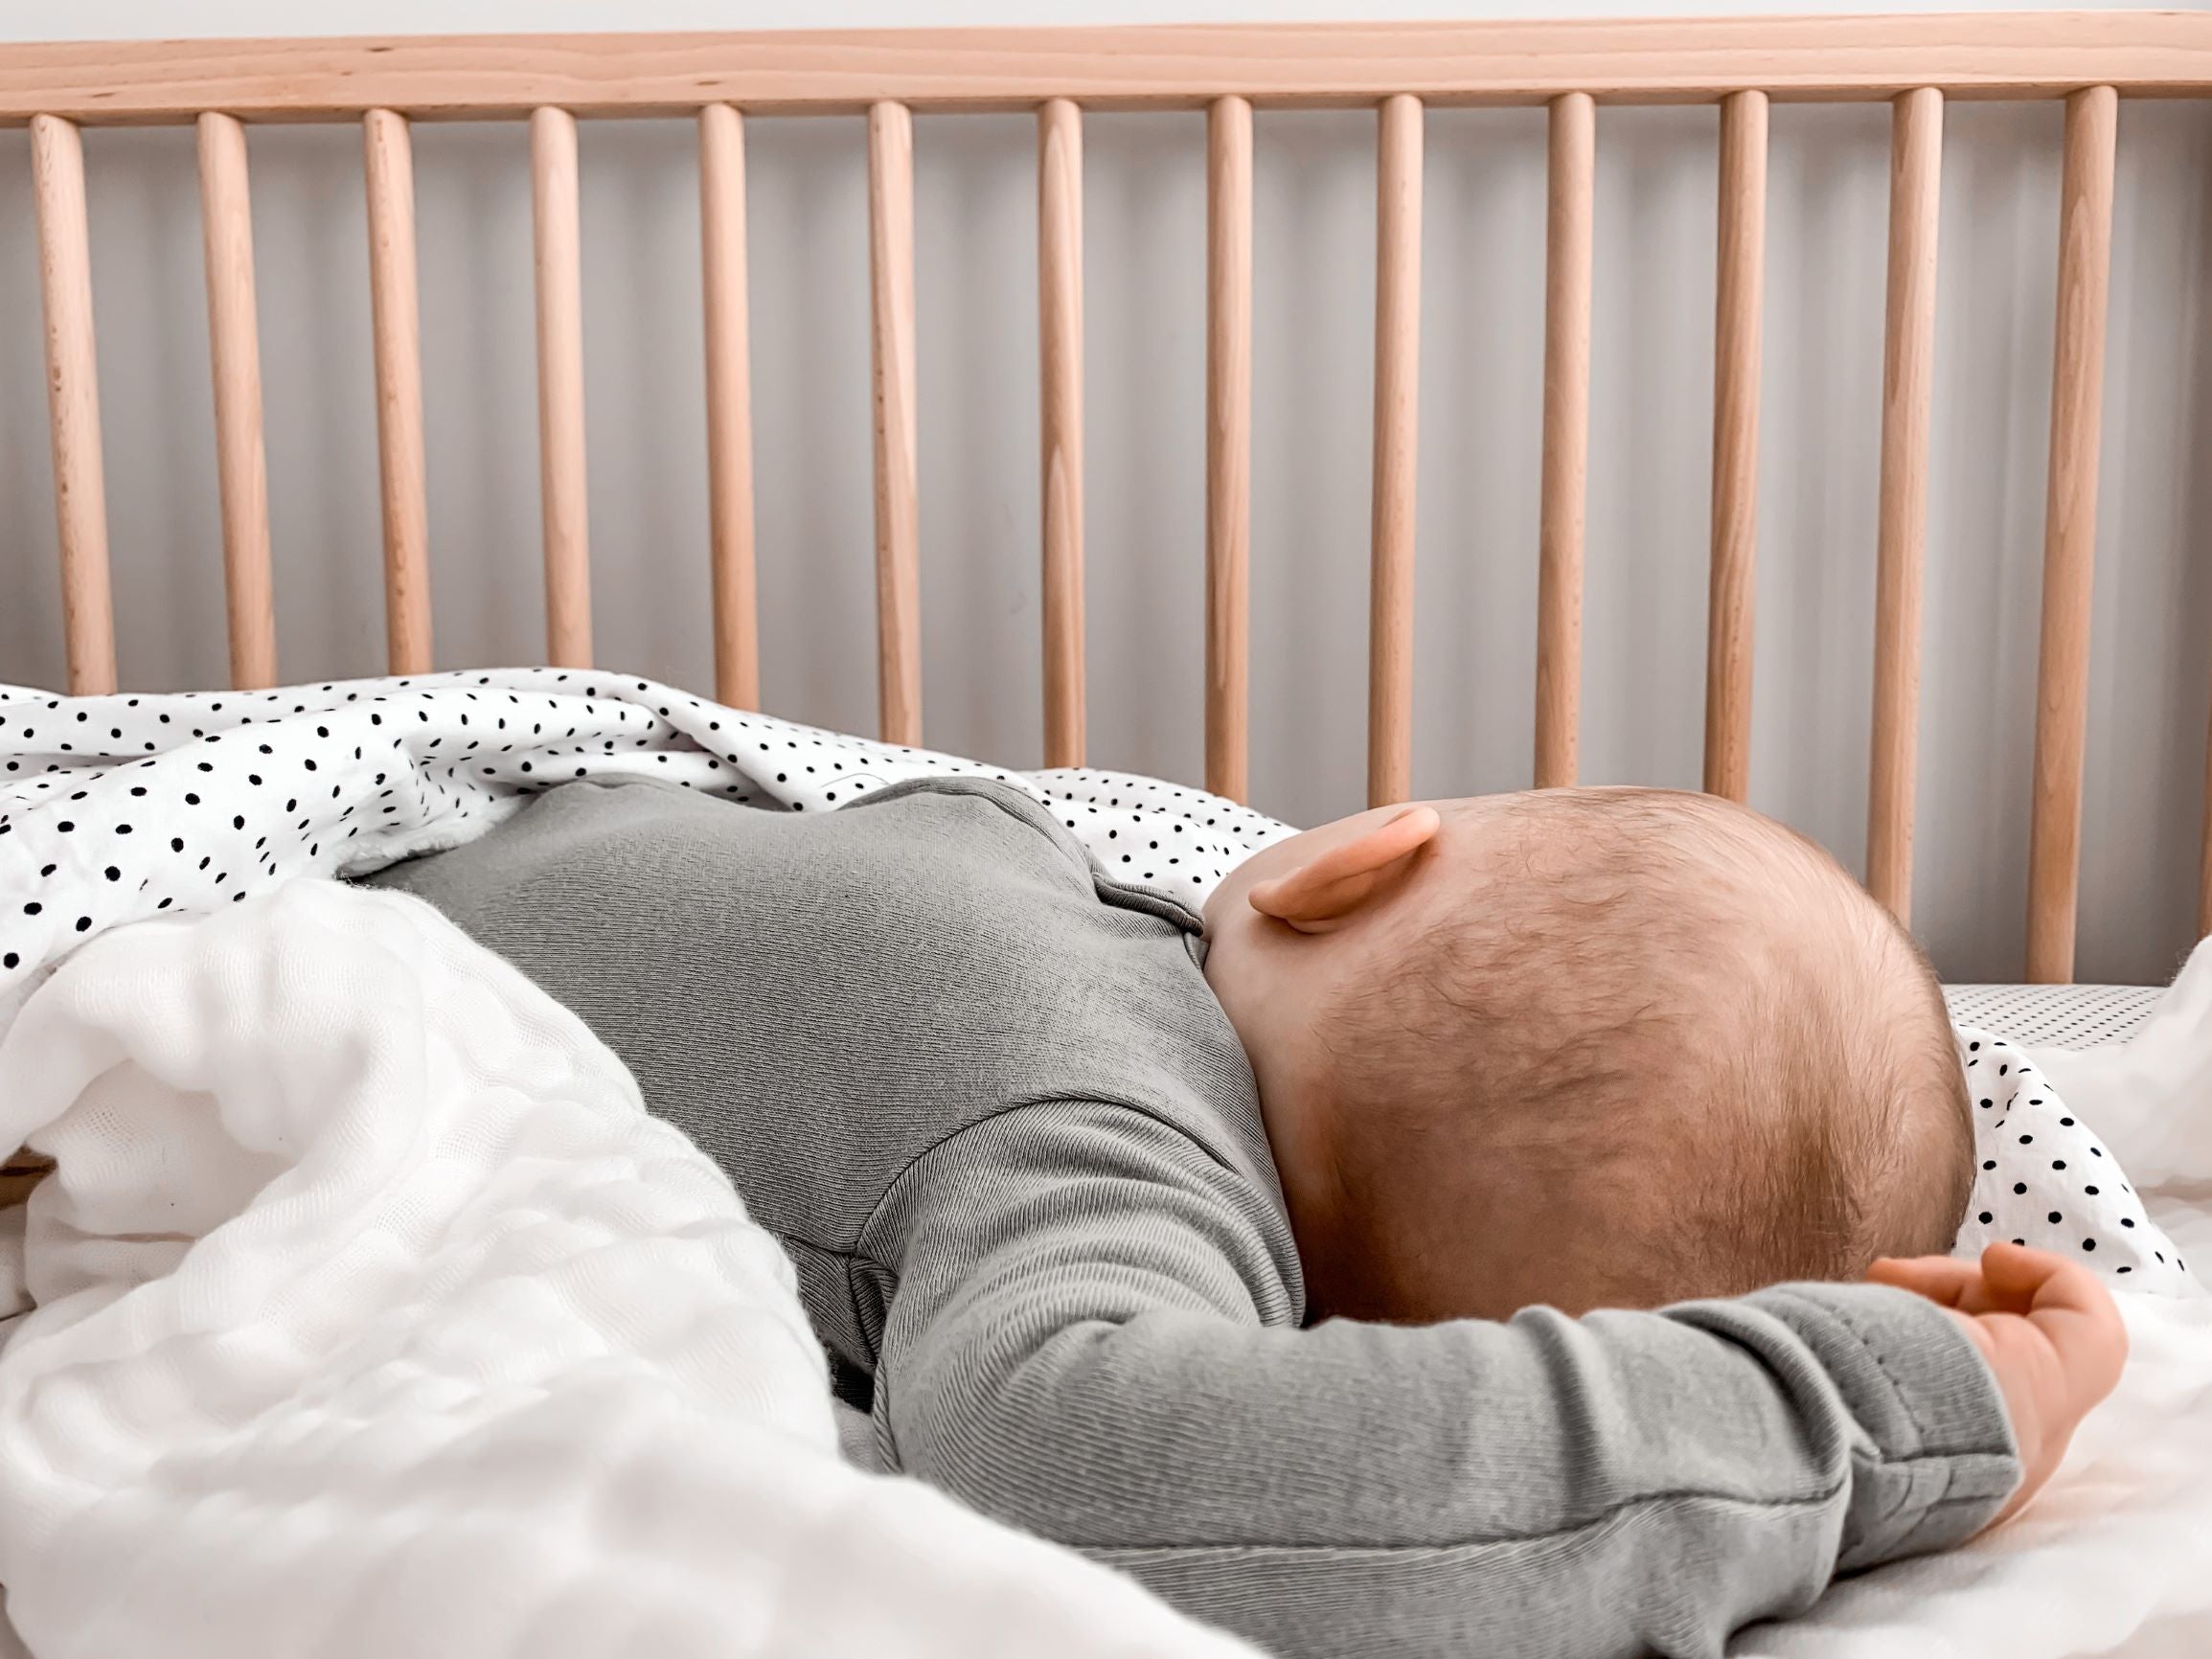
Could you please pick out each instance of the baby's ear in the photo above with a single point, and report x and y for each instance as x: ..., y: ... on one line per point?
x: 1330, y: 888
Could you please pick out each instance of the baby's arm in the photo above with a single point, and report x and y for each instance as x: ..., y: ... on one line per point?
x: 1074, y: 1346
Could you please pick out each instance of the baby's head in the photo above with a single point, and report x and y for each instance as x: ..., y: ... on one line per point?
x: 1587, y: 1047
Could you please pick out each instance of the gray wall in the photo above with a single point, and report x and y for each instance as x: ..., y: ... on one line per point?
x: 1144, y: 275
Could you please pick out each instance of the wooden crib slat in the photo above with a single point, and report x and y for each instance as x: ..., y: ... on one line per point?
x: 1396, y: 445
x: 1566, y: 438
x: 898, y: 501
x: 1060, y: 350
x: 1228, y: 443
x: 1907, y: 387
x: 2204, y: 867
x: 1735, y: 444
x: 234, y: 349
x: 729, y: 406
x: 396, y: 320
x: 2070, y: 530
x: 559, y: 231
x: 73, y: 403
x: 2204, y: 870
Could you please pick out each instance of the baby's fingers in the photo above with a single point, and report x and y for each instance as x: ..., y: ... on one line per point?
x: 2070, y: 1304
x: 2026, y: 1281
x: 1941, y: 1278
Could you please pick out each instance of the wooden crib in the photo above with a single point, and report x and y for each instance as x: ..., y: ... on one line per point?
x: 1915, y: 64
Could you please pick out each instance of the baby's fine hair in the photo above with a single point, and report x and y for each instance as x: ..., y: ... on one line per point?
x: 1732, y: 1065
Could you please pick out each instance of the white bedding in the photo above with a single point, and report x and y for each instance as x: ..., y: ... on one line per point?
x: 373, y: 1307
x: 377, y: 1318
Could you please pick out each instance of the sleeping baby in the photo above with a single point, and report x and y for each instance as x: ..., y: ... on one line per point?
x: 1374, y: 1264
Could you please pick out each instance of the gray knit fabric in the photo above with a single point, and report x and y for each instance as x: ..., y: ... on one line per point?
x: 984, y: 1096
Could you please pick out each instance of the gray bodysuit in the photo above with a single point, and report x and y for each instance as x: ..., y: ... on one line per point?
x: 985, y: 1097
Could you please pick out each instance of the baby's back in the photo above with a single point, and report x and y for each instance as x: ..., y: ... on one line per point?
x: 818, y: 1001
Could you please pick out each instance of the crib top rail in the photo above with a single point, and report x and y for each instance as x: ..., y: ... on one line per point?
x: 1643, y: 60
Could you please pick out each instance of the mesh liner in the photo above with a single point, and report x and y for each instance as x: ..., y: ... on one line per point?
x: 2070, y: 1016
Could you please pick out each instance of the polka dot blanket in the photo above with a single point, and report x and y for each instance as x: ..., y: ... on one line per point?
x: 118, y: 808
x: 121, y: 808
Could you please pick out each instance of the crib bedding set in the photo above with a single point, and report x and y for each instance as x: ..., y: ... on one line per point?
x: 363, y: 1286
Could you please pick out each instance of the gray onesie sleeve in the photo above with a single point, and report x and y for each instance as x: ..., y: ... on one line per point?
x: 1074, y: 1347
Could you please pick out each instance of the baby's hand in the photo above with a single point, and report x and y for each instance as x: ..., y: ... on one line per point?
x: 2048, y: 1328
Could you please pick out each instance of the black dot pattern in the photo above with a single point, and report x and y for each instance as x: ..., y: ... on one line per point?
x: 2066, y: 1017
x: 2044, y: 1179
x: 119, y: 808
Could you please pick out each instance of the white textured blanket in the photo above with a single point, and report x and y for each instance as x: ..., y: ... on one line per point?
x: 377, y: 1317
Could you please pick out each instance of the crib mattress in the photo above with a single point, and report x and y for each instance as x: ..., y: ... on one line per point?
x: 2070, y: 1016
